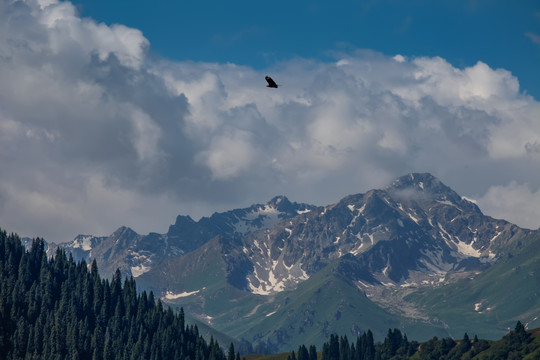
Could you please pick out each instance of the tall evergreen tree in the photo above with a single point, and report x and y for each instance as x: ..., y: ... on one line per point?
x: 303, y: 353
x: 312, y: 352
x: 231, y: 353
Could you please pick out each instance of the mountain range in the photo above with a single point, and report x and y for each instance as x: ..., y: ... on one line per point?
x: 414, y: 256
x: 136, y: 254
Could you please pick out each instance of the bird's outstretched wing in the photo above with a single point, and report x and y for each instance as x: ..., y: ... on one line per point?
x: 271, y: 83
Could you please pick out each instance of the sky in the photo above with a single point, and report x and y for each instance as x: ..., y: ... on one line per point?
x: 131, y: 113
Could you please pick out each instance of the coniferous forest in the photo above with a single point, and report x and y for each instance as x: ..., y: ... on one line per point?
x: 517, y: 344
x: 56, y: 308
x: 59, y: 309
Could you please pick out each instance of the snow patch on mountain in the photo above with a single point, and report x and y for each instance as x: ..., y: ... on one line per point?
x: 261, y: 218
x: 496, y: 236
x: 138, y: 270
x: 460, y: 246
x: 172, y: 296
x: 83, y: 242
x: 481, y: 307
x: 478, y: 306
x: 408, y: 213
x: 468, y: 249
x: 141, y: 262
x: 358, y: 249
x: 271, y: 278
x: 449, y: 203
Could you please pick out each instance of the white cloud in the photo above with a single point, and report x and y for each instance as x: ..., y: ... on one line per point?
x: 65, y: 29
x: 95, y: 134
x: 399, y: 58
x: 229, y: 154
x: 146, y: 136
x: 514, y: 202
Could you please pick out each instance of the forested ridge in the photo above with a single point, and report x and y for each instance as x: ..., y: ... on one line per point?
x: 517, y: 344
x: 56, y: 308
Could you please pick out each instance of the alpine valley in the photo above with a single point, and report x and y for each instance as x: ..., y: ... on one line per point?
x: 414, y: 256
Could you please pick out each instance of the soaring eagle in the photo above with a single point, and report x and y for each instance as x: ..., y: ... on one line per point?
x: 271, y: 83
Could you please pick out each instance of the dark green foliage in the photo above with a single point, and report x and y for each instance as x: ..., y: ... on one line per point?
x: 515, y: 345
x: 330, y: 350
x: 59, y: 309
x: 303, y: 353
x: 231, y: 355
x: 312, y: 352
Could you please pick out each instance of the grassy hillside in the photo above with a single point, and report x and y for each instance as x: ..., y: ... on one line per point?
x: 204, y: 291
x: 325, y: 304
x: 491, y: 303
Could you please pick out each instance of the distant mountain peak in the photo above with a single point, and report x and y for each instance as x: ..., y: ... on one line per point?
x: 84, y: 242
x: 286, y: 208
x: 280, y: 203
x: 428, y: 187
x: 419, y: 181
x: 124, y: 231
x: 277, y: 200
x: 183, y: 220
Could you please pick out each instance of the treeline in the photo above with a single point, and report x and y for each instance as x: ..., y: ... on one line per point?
x: 515, y: 345
x: 59, y: 309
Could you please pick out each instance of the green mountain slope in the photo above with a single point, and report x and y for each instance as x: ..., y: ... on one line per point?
x: 203, y: 289
x: 327, y: 303
x: 490, y: 303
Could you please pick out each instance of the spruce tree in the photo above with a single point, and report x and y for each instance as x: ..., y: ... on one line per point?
x: 312, y: 352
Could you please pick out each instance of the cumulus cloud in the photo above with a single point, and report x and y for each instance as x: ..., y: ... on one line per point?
x: 96, y: 134
x: 515, y: 202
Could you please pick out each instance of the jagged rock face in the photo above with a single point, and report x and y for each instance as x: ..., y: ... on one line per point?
x: 136, y: 254
x: 237, y: 223
x: 414, y: 232
x: 80, y: 247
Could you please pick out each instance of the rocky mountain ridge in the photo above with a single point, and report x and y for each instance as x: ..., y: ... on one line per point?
x: 135, y: 254
x: 265, y: 274
x: 414, y: 233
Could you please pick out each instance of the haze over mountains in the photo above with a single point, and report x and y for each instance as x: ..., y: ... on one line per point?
x: 282, y: 274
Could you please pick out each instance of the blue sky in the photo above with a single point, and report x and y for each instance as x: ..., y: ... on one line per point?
x: 129, y: 113
x: 503, y: 34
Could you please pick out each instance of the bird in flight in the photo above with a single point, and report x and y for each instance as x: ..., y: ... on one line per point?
x: 271, y: 83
